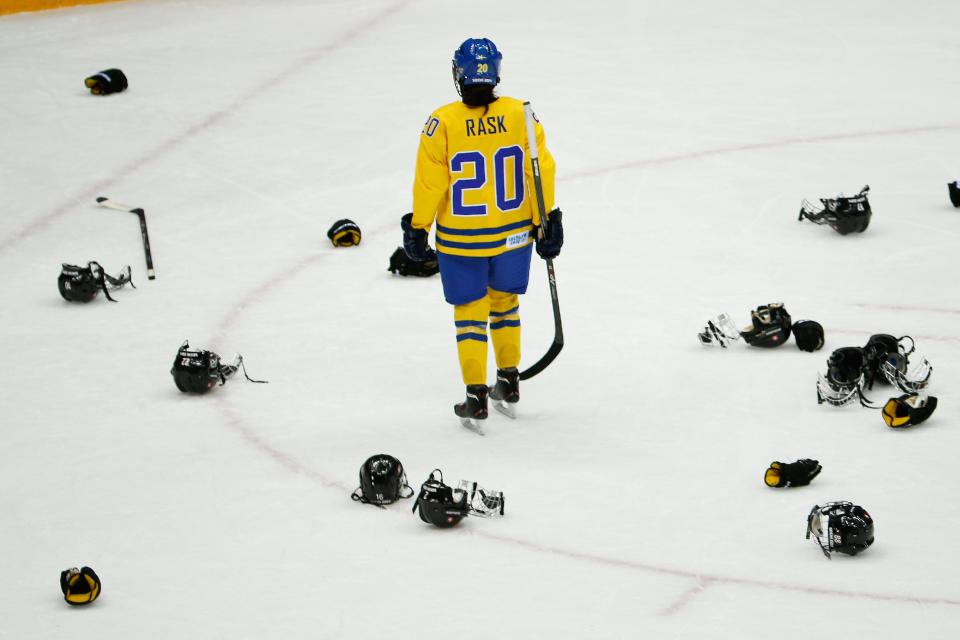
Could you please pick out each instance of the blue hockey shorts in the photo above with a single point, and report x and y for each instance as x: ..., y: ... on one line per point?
x: 466, y: 279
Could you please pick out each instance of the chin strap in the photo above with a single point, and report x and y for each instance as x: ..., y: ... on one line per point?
x: 103, y: 278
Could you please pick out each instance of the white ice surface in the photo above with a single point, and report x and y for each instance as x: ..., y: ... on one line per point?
x: 686, y: 135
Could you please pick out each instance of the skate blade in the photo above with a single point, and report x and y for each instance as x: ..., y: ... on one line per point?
x: 508, y: 409
x: 472, y: 425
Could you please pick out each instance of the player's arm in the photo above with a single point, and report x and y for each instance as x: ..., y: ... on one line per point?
x: 432, y: 178
x: 548, y: 170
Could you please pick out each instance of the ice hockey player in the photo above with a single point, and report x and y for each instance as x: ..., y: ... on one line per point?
x: 472, y: 167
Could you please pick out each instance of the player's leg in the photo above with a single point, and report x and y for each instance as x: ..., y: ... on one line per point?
x: 465, y: 287
x: 509, y: 275
x: 471, y: 323
x: 505, y: 333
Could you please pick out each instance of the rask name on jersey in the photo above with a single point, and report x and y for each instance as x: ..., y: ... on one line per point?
x: 483, y: 126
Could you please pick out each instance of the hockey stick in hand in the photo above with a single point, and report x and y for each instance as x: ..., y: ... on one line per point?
x: 557, y: 344
x: 111, y: 204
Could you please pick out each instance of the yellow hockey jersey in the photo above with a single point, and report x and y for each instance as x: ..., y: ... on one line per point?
x: 475, y: 179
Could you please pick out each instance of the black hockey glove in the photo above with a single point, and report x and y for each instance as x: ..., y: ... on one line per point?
x: 808, y: 335
x: 954, y: 191
x: 79, y: 586
x: 794, y: 474
x: 400, y: 263
x: 548, y: 246
x: 106, y: 82
x: 344, y: 233
x: 414, y: 240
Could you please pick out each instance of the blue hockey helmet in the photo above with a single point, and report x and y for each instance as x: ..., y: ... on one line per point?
x: 476, y: 61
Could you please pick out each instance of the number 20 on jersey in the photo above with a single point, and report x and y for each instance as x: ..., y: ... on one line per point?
x: 506, y: 171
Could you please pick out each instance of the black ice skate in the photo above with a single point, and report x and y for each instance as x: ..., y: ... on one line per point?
x: 474, y: 408
x: 506, y: 393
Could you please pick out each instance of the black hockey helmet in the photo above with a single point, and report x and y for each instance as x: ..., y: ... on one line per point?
x: 382, y: 481
x: 895, y: 361
x: 195, y: 370
x: 843, y: 215
x: 81, y: 284
x: 78, y: 284
x: 878, y: 348
x: 843, y: 527
x: 905, y: 368
x: 439, y: 504
x: 843, y: 381
x: 770, y: 326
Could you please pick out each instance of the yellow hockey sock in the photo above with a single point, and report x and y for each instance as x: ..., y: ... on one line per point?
x: 471, y: 322
x: 505, y: 327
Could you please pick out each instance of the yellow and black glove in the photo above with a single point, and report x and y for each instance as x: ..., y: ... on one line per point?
x: 344, y: 233
x: 79, y: 586
x: 908, y: 410
x: 794, y: 474
x: 106, y: 82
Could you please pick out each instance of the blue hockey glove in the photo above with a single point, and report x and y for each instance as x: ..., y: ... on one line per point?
x: 549, y: 245
x: 414, y: 240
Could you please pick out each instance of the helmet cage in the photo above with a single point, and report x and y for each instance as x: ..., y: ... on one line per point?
x: 844, y: 380
x: 837, y: 393
x: 482, y: 502
x: 719, y: 331
x: 897, y: 368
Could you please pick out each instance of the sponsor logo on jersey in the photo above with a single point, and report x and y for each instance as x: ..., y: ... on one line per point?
x: 518, y: 239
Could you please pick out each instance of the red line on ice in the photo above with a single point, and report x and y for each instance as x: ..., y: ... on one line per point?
x: 684, y: 598
x: 755, y: 146
x: 705, y: 579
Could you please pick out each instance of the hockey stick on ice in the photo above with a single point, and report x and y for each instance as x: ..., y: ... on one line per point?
x: 111, y: 204
x: 557, y: 344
